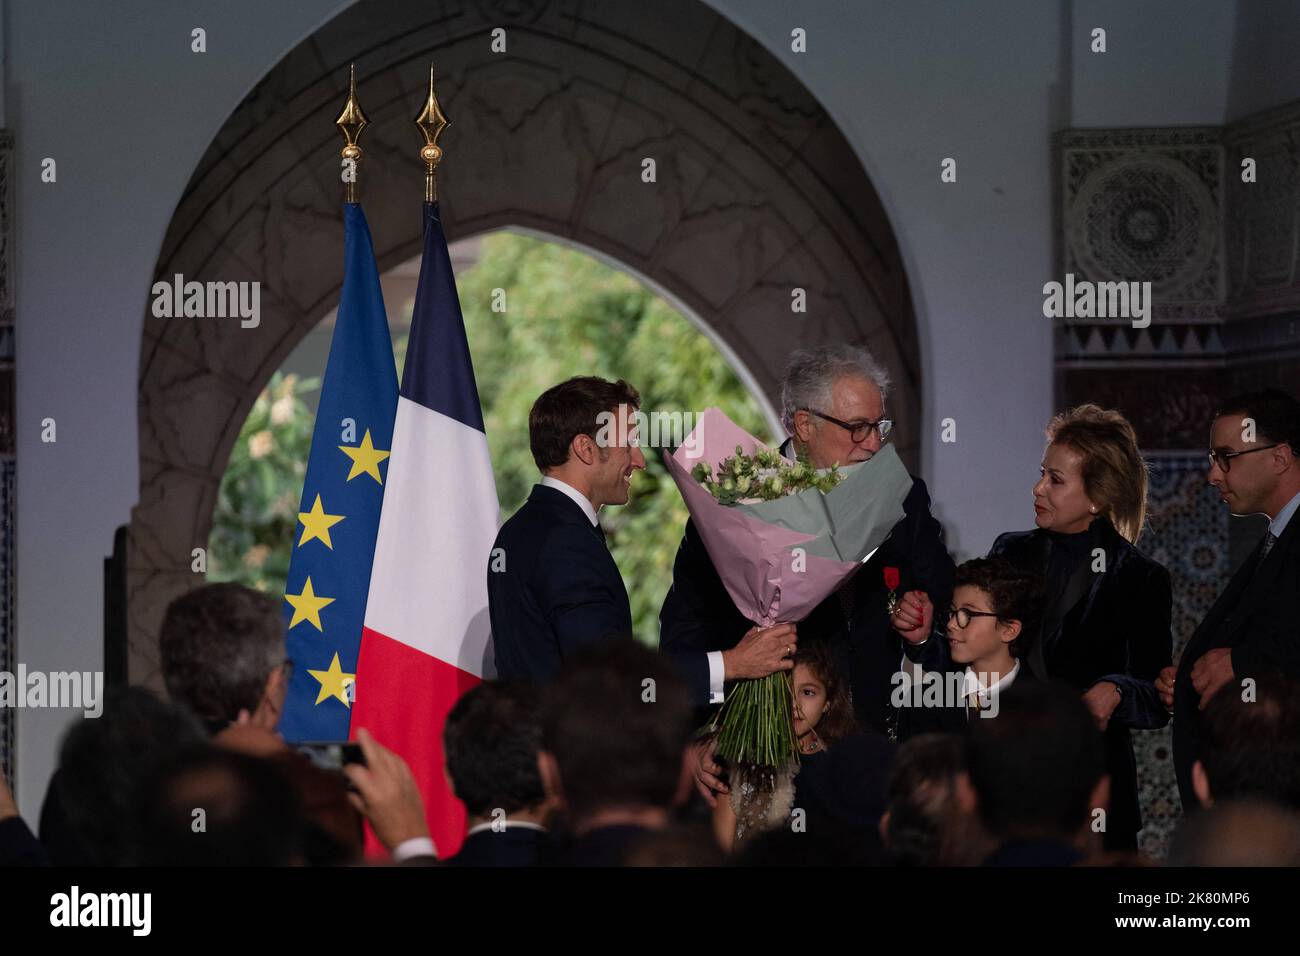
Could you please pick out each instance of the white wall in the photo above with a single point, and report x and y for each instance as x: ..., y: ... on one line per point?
x: 113, y: 93
x: 911, y: 83
x: 1167, y: 62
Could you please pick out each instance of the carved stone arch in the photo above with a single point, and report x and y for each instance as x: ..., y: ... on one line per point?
x: 757, y: 192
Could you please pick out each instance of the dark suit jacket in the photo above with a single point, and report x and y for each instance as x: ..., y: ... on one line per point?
x: 1258, y: 616
x: 698, y: 614
x: 607, y: 846
x: 513, y: 846
x: 19, y: 846
x: 560, y: 592
x: 1117, y: 630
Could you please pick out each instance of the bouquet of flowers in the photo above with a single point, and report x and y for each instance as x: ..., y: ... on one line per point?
x: 783, y: 536
x: 763, y: 476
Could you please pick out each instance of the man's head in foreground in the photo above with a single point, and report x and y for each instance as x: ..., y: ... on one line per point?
x: 615, y: 731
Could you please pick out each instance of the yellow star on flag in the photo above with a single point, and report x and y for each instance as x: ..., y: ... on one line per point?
x: 307, y: 606
x: 365, y: 458
x: 316, y: 524
x: 333, y: 682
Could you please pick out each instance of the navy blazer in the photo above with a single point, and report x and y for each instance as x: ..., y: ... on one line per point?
x: 1119, y: 631
x: 560, y: 592
x: 1258, y: 616
x: 699, y: 615
x: 513, y: 846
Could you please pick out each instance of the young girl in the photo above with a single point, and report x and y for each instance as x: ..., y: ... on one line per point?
x: 823, y: 715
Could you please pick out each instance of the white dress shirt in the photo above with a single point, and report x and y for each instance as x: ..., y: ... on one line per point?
x: 983, y: 695
x: 1278, y: 524
x: 416, y: 846
x: 506, y: 824
x: 578, y: 498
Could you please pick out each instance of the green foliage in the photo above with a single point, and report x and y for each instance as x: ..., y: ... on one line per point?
x: 565, y: 314
x: 257, y: 505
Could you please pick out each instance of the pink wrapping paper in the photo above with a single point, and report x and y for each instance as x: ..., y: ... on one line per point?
x: 753, y: 558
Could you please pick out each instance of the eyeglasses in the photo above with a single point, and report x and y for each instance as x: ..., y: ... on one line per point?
x: 858, y: 431
x: 963, y: 616
x: 1224, y: 458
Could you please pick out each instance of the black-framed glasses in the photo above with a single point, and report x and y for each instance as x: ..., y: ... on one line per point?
x: 858, y: 431
x: 964, y: 615
x: 1224, y: 458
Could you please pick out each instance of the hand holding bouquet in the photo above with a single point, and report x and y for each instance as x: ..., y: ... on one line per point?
x: 782, y: 536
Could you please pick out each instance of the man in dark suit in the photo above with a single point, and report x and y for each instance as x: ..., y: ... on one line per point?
x: 491, y: 741
x: 833, y: 401
x: 1254, y: 627
x: 553, y: 587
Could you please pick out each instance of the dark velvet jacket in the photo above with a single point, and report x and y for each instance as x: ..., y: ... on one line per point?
x: 1111, y: 625
x: 698, y: 614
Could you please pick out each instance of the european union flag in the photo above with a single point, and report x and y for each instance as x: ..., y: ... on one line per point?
x: 338, y: 519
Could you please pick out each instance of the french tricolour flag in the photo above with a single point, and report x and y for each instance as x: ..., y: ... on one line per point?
x: 426, y: 638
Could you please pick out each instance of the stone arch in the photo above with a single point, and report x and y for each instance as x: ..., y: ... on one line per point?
x: 757, y: 193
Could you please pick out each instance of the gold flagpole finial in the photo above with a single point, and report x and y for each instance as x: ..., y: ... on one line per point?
x: 351, y: 121
x: 431, y: 122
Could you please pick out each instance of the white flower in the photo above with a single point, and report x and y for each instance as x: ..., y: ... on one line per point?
x: 260, y: 444
x: 282, y: 410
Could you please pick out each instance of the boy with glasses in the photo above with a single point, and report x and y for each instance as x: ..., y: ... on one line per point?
x: 995, y: 612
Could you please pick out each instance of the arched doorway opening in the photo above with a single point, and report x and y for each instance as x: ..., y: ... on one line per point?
x: 757, y: 203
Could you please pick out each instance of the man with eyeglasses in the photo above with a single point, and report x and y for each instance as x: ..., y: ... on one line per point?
x: 833, y: 409
x: 1253, y: 629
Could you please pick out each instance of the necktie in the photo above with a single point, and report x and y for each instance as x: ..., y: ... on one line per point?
x: 1265, y: 547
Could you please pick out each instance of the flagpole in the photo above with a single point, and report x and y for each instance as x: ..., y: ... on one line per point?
x: 351, y: 122
x: 431, y: 122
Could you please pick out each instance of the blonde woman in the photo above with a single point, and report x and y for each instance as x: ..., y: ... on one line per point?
x: 1105, y: 629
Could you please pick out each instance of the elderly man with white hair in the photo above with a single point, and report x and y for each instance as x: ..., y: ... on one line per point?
x: 833, y: 408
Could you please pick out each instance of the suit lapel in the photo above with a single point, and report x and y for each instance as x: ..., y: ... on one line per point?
x: 566, y: 509
x: 1261, y: 578
x: 1232, y: 595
